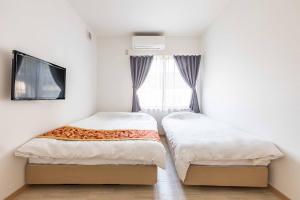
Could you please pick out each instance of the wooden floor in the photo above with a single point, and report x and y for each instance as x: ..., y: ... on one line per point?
x: 168, y: 187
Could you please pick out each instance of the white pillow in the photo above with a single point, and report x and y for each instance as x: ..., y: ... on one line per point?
x: 184, y: 115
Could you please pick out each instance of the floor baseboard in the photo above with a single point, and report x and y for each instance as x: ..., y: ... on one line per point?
x: 278, y: 193
x: 18, y: 191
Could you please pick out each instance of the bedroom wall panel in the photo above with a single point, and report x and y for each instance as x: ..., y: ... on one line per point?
x: 114, y: 84
x: 50, y: 30
x: 251, y: 78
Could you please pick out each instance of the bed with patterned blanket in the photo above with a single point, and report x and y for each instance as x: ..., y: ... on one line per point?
x: 106, y: 148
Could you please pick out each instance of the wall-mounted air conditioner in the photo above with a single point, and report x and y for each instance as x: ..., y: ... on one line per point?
x: 148, y: 43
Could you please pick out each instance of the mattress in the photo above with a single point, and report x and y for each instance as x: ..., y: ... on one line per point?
x: 87, y: 161
x: 47, y: 151
x: 197, y: 139
x: 239, y: 162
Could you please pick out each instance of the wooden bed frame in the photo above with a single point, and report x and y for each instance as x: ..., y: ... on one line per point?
x: 213, y: 175
x: 91, y: 174
x: 242, y: 176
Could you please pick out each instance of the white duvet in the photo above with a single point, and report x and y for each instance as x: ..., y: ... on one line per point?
x: 197, y: 139
x: 100, y: 152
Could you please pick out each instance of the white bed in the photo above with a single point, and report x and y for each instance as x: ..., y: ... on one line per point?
x: 196, y: 140
x: 46, y: 151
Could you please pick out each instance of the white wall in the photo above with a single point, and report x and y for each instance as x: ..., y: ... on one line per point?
x: 114, y: 85
x: 52, y: 31
x: 251, y: 78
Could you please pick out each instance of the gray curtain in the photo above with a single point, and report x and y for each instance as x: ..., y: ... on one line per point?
x: 59, y: 78
x: 140, y: 66
x: 189, y: 69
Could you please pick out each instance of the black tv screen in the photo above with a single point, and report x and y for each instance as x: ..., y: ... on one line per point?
x: 35, y: 79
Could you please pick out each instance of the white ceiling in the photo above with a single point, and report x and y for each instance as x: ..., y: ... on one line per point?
x: 171, y: 17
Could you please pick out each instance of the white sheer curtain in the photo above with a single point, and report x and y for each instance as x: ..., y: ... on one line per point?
x: 164, y: 89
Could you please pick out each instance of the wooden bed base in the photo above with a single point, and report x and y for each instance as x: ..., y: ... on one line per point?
x: 91, y: 174
x: 238, y: 176
x: 243, y: 176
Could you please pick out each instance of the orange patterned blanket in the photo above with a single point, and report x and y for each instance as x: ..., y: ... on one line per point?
x: 81, y: 134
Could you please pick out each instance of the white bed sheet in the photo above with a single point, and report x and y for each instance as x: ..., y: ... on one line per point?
x: 197, y: 139
x: 132, y: 151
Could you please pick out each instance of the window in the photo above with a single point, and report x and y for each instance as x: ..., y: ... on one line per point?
x: 164, y: 88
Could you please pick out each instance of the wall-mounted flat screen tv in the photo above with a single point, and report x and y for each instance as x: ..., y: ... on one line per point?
x: 36, y: 79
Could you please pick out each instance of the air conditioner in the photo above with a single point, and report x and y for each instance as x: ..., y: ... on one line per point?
x: 148, y: 42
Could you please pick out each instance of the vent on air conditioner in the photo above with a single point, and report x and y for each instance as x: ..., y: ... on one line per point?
x: 148, y: 43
